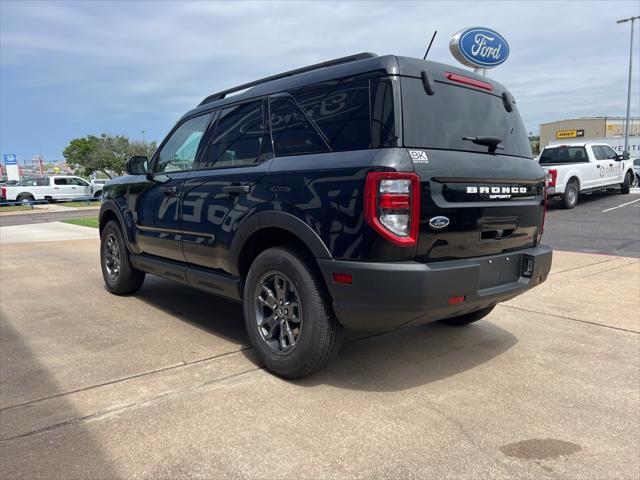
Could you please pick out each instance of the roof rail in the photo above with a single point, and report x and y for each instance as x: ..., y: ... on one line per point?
x: 329, y: 63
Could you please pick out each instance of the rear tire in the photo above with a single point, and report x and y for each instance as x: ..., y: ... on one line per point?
x: 288, y: 314
x: 25, y: 198
x: 120, y: 276
x: 571, y: 193
x: 467, y: 318
x: 625, y: 187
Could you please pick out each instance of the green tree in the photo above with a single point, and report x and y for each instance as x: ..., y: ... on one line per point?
x: 106, y: 154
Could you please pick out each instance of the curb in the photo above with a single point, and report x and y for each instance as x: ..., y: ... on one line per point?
x: 43, y: 211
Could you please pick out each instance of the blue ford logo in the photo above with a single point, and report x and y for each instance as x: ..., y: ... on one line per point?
x: 479, y: 47
x: 439, y: 222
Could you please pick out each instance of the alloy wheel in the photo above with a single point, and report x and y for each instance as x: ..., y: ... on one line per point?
x: 278, y: 312
x: 112, y: 257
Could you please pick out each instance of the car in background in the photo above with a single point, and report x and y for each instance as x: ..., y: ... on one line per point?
x: 581, y: 167
x: 96, y: 185
x: 54, y: 188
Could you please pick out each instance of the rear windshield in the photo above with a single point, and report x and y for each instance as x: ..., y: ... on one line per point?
x: 441, y: 120
x: 563, y: 154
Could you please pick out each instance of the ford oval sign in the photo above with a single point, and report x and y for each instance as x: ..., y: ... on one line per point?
x: 438, y: 223
x: 479, y: 47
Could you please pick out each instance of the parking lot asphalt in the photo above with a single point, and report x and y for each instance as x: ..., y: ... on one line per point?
x: 28, y: 217
x: 163, y: 384
x: 600, y: 223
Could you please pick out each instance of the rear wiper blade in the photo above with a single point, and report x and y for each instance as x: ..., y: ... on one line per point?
x: 491, y: 142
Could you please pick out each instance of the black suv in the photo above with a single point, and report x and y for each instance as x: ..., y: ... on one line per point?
x: 367, y: 192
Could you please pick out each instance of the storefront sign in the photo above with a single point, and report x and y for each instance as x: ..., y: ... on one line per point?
x: 569, y: 133
x: 479, y: 47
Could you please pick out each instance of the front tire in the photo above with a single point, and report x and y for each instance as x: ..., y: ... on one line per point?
x: 120, y: 276
x: 288, y: 314
x: 468, y: 318
x: 625, y: 187
x: 571, y: 194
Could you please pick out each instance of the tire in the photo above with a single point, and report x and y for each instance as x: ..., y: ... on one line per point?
x: 98, y: 194
x: 319, y: 335
x: 625, y: 187
x: 468, y: 318
x: 25, y: 198
x: 571, y: 193
x: 120, y: 277
x: 636, y: 181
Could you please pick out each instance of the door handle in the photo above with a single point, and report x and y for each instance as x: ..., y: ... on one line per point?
x: 169, y: 190
x: 236, y: 189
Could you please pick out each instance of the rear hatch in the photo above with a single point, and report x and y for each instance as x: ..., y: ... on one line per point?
x: 473, y: 202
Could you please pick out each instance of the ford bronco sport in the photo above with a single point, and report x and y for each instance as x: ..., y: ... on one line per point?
x: 367, y: 192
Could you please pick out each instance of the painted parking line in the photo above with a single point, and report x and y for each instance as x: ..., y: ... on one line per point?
x: 620, y: 206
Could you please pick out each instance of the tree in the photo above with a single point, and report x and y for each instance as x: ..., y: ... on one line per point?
x: 106, y: 154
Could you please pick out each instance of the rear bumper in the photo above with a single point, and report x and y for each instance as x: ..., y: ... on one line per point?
x: 387, y: 295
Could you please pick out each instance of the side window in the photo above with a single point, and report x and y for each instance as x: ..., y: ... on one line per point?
x: 608, y: 152
x: 597, y: 152
x: 293, y: 133
x: 60, y: 181
x: 240, y: 137
x: 341, y: 111
x: 78, y: 181
x: 179, y: 151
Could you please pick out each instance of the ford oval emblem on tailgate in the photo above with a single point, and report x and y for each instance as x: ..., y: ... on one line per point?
x: 439, y: 223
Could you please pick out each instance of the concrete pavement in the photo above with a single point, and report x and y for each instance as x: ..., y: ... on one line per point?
x: 163, y: 384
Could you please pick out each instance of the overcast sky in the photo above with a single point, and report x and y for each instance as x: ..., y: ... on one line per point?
x: 69, y: 69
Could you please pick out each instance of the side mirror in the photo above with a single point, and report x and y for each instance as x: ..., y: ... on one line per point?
x: 624, y: 156
x: 136, y: 165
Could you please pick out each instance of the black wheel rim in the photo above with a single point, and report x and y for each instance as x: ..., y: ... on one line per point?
x: 112, y: 257
x: 278, y: 312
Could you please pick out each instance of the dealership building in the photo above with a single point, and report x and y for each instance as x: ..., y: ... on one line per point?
x: 609, y: 129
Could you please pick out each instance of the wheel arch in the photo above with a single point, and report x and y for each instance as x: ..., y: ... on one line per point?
x: 574, y: 176
x: 110, y: 211
x: 269, y: 229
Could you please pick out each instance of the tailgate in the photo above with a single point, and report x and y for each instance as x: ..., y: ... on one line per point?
x: 475, y: 204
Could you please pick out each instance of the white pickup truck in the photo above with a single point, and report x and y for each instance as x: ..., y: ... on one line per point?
x: 575, y: 168
x: 57, y: 187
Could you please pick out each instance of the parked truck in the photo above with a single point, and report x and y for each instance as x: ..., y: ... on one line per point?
x: 54, y: 188
x: 576, y: 168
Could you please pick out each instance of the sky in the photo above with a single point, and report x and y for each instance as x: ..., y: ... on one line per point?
x: 69, y: 69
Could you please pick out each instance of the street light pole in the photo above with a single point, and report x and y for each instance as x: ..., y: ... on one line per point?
x: 143, y: 138
x: 626, y: 125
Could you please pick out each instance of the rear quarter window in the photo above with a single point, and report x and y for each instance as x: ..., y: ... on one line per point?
x: 351, y: 114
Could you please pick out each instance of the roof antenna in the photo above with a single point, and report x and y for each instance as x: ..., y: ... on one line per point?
x: 430, y: 43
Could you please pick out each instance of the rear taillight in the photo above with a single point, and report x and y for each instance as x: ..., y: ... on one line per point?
x: 552, y: 176
x: 392, y: 206
x: 4, y: 192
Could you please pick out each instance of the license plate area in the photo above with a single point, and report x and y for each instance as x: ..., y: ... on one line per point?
x: 500, y: 270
